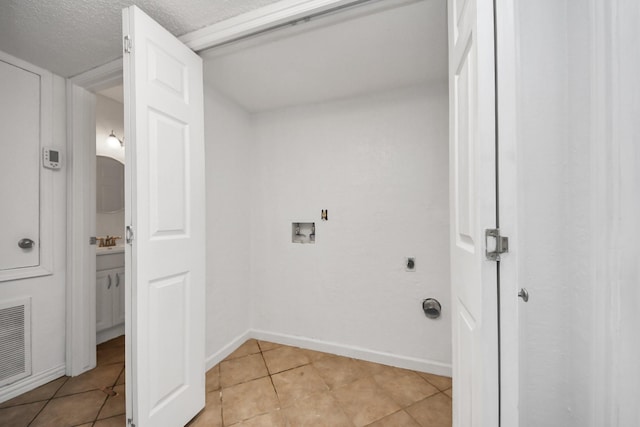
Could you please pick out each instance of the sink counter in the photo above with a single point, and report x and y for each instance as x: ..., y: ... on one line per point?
x: 109, y: 250
x: 111, y: 257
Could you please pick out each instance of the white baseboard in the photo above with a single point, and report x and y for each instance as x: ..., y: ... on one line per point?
x: 413, y: 363
x: 109, y: 334
x: 219, y: 355
x: 29, y: 383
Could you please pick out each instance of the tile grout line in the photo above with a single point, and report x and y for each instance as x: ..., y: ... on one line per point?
x: 411, y: 416
x: 368, y: 374
x: 48, y: 400
x: 393, y: 413
x: 275, y: 390
x: 221, y: 408
x: 402, y: 407
x: 422, y: 400
x: 432, y: 385
x: 124, y: 365
x: 335, y: 399
x: 100, y: 410
x: 54, y: 396
x: 75, y: 393
x: 108, y: 395
x: 220, y: 392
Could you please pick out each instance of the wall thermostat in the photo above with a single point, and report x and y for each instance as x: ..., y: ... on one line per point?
x: 51, y: 159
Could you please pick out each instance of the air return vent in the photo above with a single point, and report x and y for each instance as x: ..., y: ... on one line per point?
x: 15, y: 340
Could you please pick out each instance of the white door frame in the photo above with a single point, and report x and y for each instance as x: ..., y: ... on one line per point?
x: 81, y: 303
x: 81, y: 264
x: 265, y: 17
x: 506, y: 132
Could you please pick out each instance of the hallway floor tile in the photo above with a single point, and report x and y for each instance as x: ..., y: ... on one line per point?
x: 260, y: 384
x: 95, y: 398
x: 297, y: 387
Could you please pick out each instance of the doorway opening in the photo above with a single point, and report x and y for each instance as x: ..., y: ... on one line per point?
x: 347, y: 114
x: 320, y: 159
x: 110, y: 223
x: 109, y: 232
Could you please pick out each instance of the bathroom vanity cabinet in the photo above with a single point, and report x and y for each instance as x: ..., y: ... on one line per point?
x: 109, y: 293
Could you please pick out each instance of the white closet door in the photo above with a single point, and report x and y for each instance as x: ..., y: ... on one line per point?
x: 473, y: 209
x: 164, y: 134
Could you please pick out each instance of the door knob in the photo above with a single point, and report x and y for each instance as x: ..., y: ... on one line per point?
x: 524, y: 294
x: 25, y: 243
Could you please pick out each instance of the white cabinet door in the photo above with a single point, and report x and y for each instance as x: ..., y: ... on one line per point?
x: 472, y: 153
x: 118, y: 296
x: 164, y: 130
x: 104, y: 303
x: 19, y: 166
x: 109, y: 298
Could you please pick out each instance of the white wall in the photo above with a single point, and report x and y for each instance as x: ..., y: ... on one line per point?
x: 378, y: 163
x: 228, y: 174
x: 543, y: 154
x: 576, y: 332
x: 109, y: 116
x: 47, y: 292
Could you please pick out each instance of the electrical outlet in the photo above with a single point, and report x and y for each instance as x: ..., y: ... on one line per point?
x: 410, y: 264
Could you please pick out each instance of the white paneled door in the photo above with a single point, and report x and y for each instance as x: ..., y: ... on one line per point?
x: 473, y: 209
x: 165, y: 268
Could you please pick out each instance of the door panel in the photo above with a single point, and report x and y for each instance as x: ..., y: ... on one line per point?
x: 168, y: 342
x: 473, y: 209
x: 464, y: 152
x: 169, y: 192
x: 19, y: 166
x: 164, y: 130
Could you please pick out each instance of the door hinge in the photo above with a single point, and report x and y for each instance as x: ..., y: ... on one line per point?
x: 128, y: 235
x: 127, y: 44
x: 93, y: 240
x: 501, y: 244
x: 130, y: 422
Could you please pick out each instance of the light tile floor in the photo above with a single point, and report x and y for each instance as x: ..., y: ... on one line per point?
x: 266, y: 384
x: 95, y: 398
x: 260, y: 384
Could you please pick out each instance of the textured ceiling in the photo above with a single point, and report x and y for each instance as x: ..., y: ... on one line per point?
x: 69, y: 37
x: 382, y: 46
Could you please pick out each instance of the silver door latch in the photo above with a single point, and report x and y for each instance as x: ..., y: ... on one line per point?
x: 126, y: 44
x: 501, y: 244
x: 128, y: 235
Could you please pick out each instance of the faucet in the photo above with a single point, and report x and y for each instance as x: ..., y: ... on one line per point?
x: 108, y: 241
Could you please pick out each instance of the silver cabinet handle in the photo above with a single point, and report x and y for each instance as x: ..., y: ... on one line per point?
x: 117, y: 279
x: 25, y: 243
x: 109, y: 285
